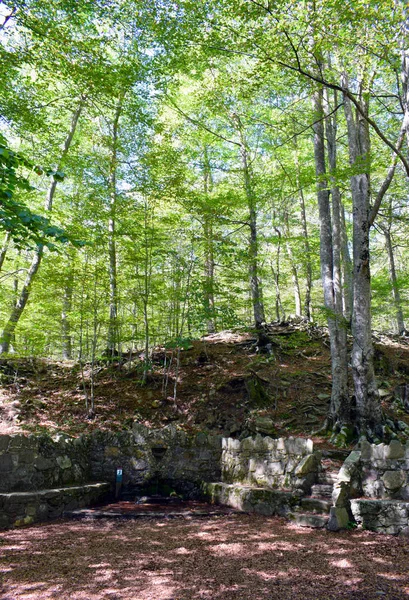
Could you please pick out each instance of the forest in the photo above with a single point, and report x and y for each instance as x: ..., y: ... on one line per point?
x: 171, y: 169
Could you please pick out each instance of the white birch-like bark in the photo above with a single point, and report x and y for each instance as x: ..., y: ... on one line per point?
x: 306, y: 241
x: 346, y: 269
x: 368, y: 408
x: 394, y: 282
x: 209, y: 265
x: 113, y: 284
x: 340, y: 402
x: 255, y: 283
x: 339, y: 413
x: 66, y: 332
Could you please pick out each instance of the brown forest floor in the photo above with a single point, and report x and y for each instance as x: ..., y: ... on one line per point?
x: 212, y: 386
x: 221, y: 558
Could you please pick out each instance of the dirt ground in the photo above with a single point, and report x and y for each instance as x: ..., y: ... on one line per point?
x: 221, y: 384
x: 228, y: 557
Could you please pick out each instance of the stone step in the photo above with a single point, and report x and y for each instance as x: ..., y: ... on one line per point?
x: 309, y: 519
x: 315, y: 505
x: 327, y: 477
x: 322, y: 490
x: 336, y: 454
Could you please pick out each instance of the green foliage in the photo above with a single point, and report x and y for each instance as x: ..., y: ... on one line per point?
x: 169, y: 192
x: 25, y: 227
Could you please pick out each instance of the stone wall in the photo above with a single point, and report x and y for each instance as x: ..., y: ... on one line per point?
x: 167, y: 458
x: 25, y: 508
x: 385, y: 470
x: 382, y: 516
x: 259, y: 501
x: 155, y: 455
x: 373, y: 489
x: 289, y: 463
x: 29, y: 463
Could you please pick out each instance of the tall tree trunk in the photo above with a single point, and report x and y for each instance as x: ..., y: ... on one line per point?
x: 340, y: 402
x: 65, y: 315
x: 294, y: 270
x: 209, y: 305
x: 113, y: 287
x: 394, y: 282
x: 255, y: 283
x: 339, y: 408
x: 276, y: 274
x: 16, y: 313
x: 147, y: 275
x: 347, y: 288
x: 368, y: 408
x: 306, y: 241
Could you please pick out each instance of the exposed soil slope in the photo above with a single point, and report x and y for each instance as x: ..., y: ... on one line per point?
x: 225, y: 382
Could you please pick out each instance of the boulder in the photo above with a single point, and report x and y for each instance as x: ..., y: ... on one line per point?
x: 393, y: 480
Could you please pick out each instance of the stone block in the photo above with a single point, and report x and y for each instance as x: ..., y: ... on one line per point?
x: 112, y: 451
x: 138, y: 465
x: 298, y: 446
x: 4, y: 442
x: 43, y: 464
x: 350, y: 472
x: 265, y: 425
x: 394, y: 450
x: 338, y: 519
x: 64, y: 462
x: 233, y: 445
x: 340, y: 494
x: 201, y: 439
x: 373, y: 488
x: 281, y: 445
x: 378, y: 452
x: 31, y: 509
x: 366, y: 450
x: 308, y: 464
x: 6, y: 463
x: 4, y: 521
x: 393, y: 480
x: 270, y: 444
x: 26, y: 456
x: 215, y: 441
x: 276, y: 468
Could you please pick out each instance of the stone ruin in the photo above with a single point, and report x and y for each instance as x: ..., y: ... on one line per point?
x: 41, y: 478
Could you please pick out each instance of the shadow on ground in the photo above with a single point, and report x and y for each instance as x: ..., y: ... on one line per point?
x: 227, y: 557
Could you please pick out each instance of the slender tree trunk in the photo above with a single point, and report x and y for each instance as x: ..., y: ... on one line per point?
x: 65, y: 315
x: 276, y: 274
x: 255, y: 283
x: 307, y: 248
x: 3, y: 251
x: 14, y: 318
x: 209, y: 305
x: 394, y: 282
x: 346, y: 269
x: 339, y: 408
x: 113, y: 286
x: 147, y: 284
x: 294, y: 270
x: 369, y: 414
x: 405, y: 78
x: 340, y: 403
